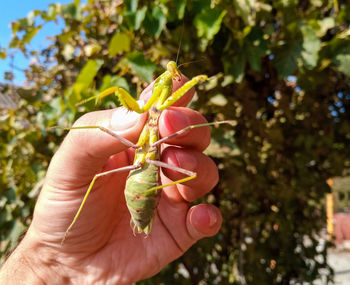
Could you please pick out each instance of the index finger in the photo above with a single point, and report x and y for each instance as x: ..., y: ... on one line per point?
x: 183, y: 101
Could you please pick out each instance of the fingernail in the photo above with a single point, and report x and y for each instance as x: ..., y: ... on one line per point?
x: 213, y: 216
x: 175, y: 120
x: 123, y: 119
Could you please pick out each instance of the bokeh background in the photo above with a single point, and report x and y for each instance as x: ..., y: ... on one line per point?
x: 280, y: 69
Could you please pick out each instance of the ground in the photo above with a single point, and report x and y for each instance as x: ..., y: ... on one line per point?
x: 339, y: 259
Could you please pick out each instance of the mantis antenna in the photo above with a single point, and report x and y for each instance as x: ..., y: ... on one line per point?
x: 179, y: 48
x: 182, y: 34
x: 193, y: 61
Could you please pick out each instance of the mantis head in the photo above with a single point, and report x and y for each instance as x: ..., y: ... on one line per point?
x: 174, y: 71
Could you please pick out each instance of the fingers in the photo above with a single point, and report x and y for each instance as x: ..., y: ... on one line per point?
x: 205, y: 168
x: 177, y: 118
x: 187, y: 225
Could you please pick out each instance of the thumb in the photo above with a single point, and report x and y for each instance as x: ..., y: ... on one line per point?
x: 85, y: 151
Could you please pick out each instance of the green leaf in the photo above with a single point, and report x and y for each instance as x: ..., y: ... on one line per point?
x: 324, y: 25
x: 131, y: 5
x: 255, y: 47
x: 135, y: 18
x: 23, y: 24
x: 139, y: 17
x: 208, y: 22
x: 244, y: 9
x: 87, y: 75
x: 29, y: 35
x: 154, y: 23
x: 286, y: 60
x: 71, y: 11
x: 2, y: 53
x: 17, y: 229
x: 342, y: 60
x: 110, y: 81
x: 91, y: 49
x: 51, y: 12
x: 15, y: 27
x: 106, y: 82
x: 120, y: 42
x: 180, y: 8
x: 54, y: 109
x: 288, y: 3
x: 141, y: 66
x: 31, y: 17
x: 66, y: 37
x: 235, y: 66
x: 310, y: 47
x: 120, y: 82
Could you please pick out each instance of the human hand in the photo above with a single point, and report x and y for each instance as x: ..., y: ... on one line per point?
x: 101, y: 247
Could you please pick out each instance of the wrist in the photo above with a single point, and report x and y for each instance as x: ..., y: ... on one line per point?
x: 32, y: 263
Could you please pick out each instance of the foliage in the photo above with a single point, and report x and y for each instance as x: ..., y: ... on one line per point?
x: 280, y: 69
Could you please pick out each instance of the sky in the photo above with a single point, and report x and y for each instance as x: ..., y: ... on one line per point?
x: 12, y: 10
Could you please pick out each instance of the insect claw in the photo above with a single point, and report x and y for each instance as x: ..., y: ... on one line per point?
x: 231, y: 122
x: 64, y: 238
x: 203, y: 78
x: 133, y: 226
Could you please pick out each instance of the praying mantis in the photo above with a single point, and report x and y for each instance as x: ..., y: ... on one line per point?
x: 143, y: 189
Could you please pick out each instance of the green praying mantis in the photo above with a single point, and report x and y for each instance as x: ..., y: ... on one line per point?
x: 143, y: 189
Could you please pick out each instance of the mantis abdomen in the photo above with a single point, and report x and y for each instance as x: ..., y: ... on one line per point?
x: 142, y: 203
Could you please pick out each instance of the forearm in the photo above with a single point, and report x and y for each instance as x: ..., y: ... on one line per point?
x: 31, y: 263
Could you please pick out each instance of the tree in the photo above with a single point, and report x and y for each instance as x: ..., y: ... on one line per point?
x: 280, y: 69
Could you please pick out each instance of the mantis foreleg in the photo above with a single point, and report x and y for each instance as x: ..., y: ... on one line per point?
x: 182, y: 91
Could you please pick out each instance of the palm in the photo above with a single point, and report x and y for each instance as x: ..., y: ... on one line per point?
x: 103, y: 229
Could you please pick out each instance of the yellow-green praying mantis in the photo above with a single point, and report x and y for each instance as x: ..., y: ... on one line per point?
x: 143, y: 189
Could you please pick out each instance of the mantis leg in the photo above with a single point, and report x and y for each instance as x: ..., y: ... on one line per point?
x: 182, y: 91
x: 126, y: 168
x: 191, y: 175
x: 126, y: 99
x: 189, y: 128
x: 103, y: 129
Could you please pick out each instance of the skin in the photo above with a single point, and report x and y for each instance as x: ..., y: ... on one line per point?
x: 101, y: 248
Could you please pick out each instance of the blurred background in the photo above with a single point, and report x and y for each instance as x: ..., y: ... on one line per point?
x: 280, y: 69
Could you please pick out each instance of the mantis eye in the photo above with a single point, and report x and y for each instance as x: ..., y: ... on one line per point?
x: 172, y: 68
